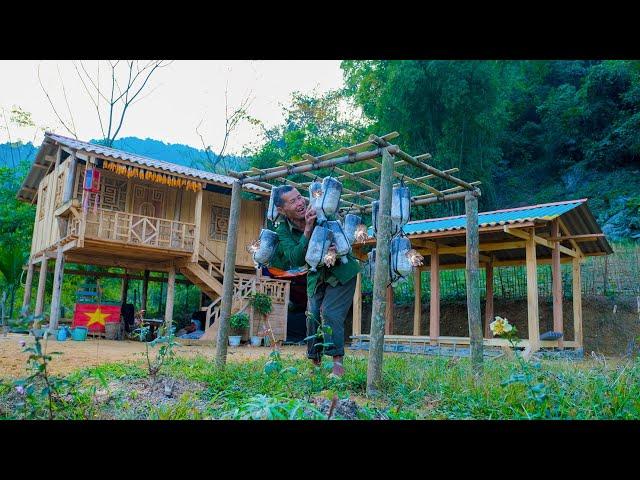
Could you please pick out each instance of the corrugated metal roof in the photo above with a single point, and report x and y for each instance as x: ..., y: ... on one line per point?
x: 547, y: 211
x: 149, y: 162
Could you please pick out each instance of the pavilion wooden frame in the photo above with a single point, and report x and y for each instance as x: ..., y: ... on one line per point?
x: 393, y: 159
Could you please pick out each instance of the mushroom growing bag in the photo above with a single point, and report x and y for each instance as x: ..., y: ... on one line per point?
x: 318, y: 247
x: 268, y: 244
x: 343, y: 247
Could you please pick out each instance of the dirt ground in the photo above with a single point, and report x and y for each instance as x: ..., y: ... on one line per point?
x: 92, y: 352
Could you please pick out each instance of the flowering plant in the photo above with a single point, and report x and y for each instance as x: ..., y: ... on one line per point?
x: 501, y: 327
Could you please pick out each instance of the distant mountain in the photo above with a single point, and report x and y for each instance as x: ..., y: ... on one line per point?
x: 12, y: 154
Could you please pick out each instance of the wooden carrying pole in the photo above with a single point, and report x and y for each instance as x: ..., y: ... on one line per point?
x: 473, y: 282
x: 229, y: 274
x: 381, y: 277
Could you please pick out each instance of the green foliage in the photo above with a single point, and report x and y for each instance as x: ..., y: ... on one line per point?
x: 166, y: 352
x: 261, y: 303
x: 239, y: 321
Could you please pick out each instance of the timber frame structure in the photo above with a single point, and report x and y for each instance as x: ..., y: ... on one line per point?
x: 148, y: 216
x: 553, y: 233
x: 380, y: 187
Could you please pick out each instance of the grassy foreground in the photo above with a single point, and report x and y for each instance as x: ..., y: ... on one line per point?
x: 415, y: 387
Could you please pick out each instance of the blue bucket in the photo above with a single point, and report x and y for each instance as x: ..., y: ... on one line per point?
x: 79, y: 333
x: 63, y: 334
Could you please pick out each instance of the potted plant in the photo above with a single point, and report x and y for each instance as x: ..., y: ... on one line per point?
x: 238, y: 322
x: 262, y: 306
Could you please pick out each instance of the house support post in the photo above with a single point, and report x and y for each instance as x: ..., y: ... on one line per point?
x: 556, y: 273
x: 58, y: 278
x: 417, y: 306
x: 388, y: 313
x: 145, y: 290
x: 26, y: 300
x: 42, y: 283
x: 198, y: 222
x: 532, y: 295
x: 488, y: 307
x: 577, y: 303
x: 434, y: 302
x: 171, y: 284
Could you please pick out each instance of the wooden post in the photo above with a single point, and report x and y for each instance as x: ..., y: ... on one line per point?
x: 145, y: 290
x: 357, y: 307
x: 58, y: 277
x: 434, y: 301
x: 229, y: 274
x: 168, y: 311
x: 474, y: 313
x: 124, y: 290
x: 26, y: 300
x: 488, y: 310
x: 417, y: 306
x: 532, y: 294
x: 381, y: 277
x: 577, y: 303
x: 388, y: 313
x: 556, y: 273
x: 42, y: 283
x: 198, y: 222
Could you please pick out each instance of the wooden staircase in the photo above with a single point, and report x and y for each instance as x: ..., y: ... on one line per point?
x: 207, y: 278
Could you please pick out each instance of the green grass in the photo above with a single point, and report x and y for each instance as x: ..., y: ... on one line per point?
x: 414, y: 387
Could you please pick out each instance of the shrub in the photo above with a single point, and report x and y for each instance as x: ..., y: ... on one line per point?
x: 239, y: 321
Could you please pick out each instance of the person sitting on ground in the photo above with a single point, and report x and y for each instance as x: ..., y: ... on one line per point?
x: 192, y: 331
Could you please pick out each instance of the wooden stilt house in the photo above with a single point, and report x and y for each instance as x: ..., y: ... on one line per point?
x: 143, y: 215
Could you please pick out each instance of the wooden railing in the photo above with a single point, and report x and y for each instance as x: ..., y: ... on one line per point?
x: 214, y: 263
x: 243, y: 286
x: 134, y: 229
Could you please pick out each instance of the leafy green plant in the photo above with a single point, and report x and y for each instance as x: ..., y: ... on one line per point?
x: 239, y: 321
x: 262, y: 305
x: 166, y: 340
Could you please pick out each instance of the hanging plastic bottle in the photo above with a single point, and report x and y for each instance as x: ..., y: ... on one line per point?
x: 343, y: 247
x: 268, y: 243
x: 351, y: 223
x: 400, y: 206
x: 319, y: 244
x: 401, y: 266
x: 370, y: 268
x: 327, y: 205
x: 272, y: 211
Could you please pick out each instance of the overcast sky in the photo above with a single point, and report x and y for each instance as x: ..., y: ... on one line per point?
x: 184, y: 93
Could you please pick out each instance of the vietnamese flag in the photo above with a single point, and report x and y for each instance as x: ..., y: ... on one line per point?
x: 94, y: 316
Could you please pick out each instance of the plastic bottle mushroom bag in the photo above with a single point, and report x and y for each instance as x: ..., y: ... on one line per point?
x: 329, y: 202
x: 319, y: 243
x: 343, y: 247
x: 370, y: 269
x: 315, y: 196
x: 400, y: 206
x: 401, y: 266
x: 351, y: 223
x: 268, y: 244
x: 272, y: 211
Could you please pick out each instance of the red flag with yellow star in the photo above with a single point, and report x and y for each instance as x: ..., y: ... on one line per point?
x: 94, y: 316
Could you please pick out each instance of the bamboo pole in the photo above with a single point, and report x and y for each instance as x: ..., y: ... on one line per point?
x: 229, y: 273
x: 424, y: 166
x: 473, y: 282
x: 58, y: 278
x: 357, y: 307
x: 292, y: 170
x: 425, y: 201
x: 417, y: 306
x: 556, y: 274
x: 381, y: 277
x: 26, y: 300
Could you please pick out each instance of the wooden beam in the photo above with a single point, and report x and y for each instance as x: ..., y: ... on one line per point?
x: 488, y: 309
x: 417, y: 304
x: 577, y: 303
x: 556, y: 274
x: 434, y: 301
x: 357, y: 307
x: 491, y: 342
x: 574, y: 244
x: 539, y: 240
x: 485, y: 247
x: 474, y: 313
x: 532, y: 295
x: 381, y: 277
x: 229, y: 274
x: 578, y: 238
x: 168, y: 311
